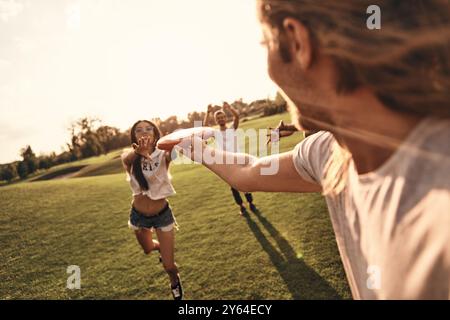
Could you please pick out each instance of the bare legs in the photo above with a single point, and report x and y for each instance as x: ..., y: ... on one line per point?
x: 144, y: 237
x: 165, y: 245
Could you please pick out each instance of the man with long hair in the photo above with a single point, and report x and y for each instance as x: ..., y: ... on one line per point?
x: 380, y: 101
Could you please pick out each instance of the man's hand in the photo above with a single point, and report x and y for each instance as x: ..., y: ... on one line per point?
x: 227, y: 106
x: 283, y: 131
x: 192, y: 147
x: 143, y: 147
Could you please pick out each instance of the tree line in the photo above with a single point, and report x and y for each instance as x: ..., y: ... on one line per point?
x: 89, y: 137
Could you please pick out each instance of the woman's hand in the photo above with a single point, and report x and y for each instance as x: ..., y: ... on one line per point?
x: 143, y: 147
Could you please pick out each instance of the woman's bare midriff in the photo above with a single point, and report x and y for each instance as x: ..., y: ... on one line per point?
x: 147, y: 206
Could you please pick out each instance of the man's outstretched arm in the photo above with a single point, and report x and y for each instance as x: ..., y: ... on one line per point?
x: 280, y: 173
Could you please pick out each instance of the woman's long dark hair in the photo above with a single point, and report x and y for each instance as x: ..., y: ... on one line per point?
x: 136, y: 168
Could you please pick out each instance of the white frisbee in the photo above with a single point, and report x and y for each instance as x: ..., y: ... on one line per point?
x: 171, y: 140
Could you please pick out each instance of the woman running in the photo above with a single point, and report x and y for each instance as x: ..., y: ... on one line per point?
x: 147, y: 172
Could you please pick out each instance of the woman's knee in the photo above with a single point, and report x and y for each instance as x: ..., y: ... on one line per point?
x: 148, y: 250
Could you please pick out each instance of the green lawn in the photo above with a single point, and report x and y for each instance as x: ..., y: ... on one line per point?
x: 287, y: 251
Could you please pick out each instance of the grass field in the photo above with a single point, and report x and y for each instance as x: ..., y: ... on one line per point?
x: 287, y: 251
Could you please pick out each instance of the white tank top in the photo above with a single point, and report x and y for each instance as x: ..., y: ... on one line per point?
x: 157, y: 176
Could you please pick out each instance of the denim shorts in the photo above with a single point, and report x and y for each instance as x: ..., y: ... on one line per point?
x: 162, y: 219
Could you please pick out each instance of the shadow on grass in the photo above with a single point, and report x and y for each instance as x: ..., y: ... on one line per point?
x: 301, y: 281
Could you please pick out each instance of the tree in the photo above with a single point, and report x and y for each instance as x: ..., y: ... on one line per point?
x: 8, y: 172
x: 44, y: 162
x: 85, y: 142
x: 22, y: 169
x: 239, y: 105
x: 27, y: 153
x: 91, y: 147
x: 194, y: 116
x: 29, y: 158
x: 111, y: 138
x: 64, y: 157
x: 169, y: 125
x: 279, y: 100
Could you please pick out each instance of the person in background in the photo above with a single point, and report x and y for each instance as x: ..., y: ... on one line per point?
x: 226, y: 139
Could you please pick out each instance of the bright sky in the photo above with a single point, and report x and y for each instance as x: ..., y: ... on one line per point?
x: 121, y: 61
